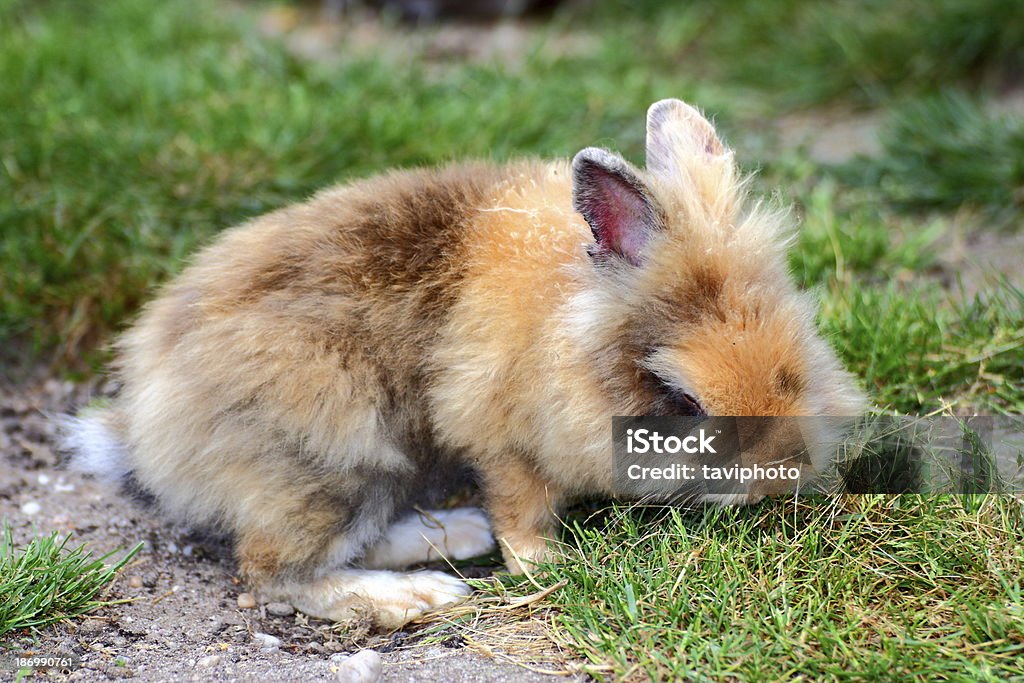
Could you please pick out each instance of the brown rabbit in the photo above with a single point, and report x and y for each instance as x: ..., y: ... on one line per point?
x: 320, y: 370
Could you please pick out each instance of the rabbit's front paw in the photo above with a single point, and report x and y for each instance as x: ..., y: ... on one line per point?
x: 429, y: 536
x: 391, y: 599
x: 415, y: 594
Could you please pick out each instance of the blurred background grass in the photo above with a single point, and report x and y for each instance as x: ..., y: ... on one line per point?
x: 131, y: 131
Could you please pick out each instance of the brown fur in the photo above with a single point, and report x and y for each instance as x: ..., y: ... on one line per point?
x: 320, y: 369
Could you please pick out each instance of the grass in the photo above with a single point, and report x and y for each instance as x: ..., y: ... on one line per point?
x: 948, y: 151
x: 919, y: 350
x: 45, y: 581
x: 864, y: 51
x: 915, y: 347
x: 849, y: 588
x: 801, y: 53
x: 132, y: 131
x: 844, y: 238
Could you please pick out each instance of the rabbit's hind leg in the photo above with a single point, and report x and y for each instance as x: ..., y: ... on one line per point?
x: 304, y: 555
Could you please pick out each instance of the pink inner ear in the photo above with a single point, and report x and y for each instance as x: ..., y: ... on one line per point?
x: 620, y: 216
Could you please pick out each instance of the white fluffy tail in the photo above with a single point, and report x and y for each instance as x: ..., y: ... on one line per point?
x: 93, y: 444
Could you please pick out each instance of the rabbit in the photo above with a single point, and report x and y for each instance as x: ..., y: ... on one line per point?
x: 316, y: 374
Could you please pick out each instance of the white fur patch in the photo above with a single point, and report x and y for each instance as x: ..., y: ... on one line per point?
x: 586, y: 314
x: 93, y: 446
x: 347, y: 546
x: 390, y: 598
x: 453, y: 534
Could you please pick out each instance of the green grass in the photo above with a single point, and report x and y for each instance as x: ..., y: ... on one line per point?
x: 916, y: 347
x: 864, y: 51
x: 844, y: 237
x: 801, y: 52
x: 850, y: 588
x: 949, y: 151
x: 46, y: 581
x: 921, y: 350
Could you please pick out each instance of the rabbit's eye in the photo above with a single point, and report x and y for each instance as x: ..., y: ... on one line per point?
x: 684, y: 404
x: 672, y: 401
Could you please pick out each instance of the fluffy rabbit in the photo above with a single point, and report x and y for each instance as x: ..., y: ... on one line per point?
x: 317, y: 372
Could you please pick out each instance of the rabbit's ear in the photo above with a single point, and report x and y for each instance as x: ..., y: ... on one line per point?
x: 615, y: 202
x: 677, y: 132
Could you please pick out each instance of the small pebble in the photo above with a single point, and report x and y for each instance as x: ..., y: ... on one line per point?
x: 135, y: 581
x: 266, y: 641
x: 43, y: 479
x: 209, y: 660
x: 31, y: 508
x: 246, y: 601
x: 280, y: 609
x: 364, y: 666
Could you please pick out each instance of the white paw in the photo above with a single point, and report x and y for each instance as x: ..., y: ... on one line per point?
x: 427, y: 537
x: 419, y: 593
x: 466, y: 532
x: 391, y: 599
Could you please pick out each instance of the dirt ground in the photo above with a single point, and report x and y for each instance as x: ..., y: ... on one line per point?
x: 183, y: 621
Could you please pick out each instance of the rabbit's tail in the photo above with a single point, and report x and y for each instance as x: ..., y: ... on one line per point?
x: 93, y: 443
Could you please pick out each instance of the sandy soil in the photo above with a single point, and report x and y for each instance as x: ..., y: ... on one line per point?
x: 183, y: 621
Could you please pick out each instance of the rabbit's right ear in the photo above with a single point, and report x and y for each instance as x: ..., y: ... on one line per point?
x: 677, y: 133
x: 616, y: 203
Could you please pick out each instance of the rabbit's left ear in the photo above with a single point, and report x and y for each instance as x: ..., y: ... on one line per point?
x: 616, y: 203
x: 677, y: 134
